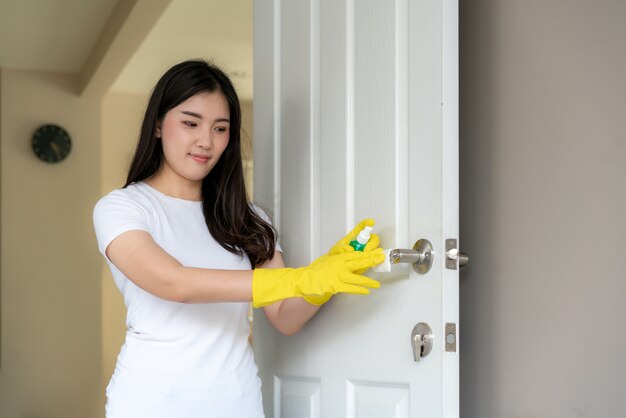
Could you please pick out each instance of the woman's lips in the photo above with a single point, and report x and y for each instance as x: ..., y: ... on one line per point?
x: 200, y: 158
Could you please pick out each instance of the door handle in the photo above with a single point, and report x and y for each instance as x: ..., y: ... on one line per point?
x: 421, y: 256
x: 421, y: 340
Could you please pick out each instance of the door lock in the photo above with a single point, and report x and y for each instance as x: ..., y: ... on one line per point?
x: 421, y: 340
x: 454, y: 256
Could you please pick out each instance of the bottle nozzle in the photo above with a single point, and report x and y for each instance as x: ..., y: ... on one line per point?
x: 364, y: 235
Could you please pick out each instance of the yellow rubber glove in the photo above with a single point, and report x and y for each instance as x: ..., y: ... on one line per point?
x: 343, y: 246
x: 318, y: 300
x: 329, y: 274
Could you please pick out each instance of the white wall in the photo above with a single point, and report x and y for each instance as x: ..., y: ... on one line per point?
x: 543, y: 198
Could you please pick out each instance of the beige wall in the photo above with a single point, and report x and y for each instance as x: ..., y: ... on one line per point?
x: 50, y: 288
x: 543, y: 174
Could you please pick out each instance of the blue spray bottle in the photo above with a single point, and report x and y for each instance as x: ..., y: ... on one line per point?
x: 364, y: 236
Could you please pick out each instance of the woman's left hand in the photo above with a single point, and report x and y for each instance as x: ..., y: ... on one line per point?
x: 343, y: 246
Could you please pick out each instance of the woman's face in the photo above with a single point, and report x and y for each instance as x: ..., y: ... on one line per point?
x: 194, y: 135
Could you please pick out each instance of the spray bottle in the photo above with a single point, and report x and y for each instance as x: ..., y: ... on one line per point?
x: 359, y: 245
x: 361, y: 240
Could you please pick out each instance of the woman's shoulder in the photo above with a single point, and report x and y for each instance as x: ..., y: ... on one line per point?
x: 132, y: 196
x: 119, y: 211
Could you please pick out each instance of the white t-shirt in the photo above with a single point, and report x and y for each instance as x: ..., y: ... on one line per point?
x: 179, y: 360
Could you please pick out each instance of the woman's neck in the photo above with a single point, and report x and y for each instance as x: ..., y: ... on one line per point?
x: 173, y: 185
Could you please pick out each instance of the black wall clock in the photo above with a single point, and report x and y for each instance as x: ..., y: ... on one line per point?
x: 51, y: 143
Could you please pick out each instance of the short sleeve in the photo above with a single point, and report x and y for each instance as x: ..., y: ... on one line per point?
x: 266, y: 218
x: 115, y: 214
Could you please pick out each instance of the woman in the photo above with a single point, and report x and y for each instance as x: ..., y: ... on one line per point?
x: 188, y: 252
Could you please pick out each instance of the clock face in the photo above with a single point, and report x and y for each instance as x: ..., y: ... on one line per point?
x: 51, y: 143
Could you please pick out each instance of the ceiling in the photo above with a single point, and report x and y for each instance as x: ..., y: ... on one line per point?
x: 61, y: 35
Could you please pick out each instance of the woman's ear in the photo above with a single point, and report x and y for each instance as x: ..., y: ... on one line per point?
x: 157, y: 131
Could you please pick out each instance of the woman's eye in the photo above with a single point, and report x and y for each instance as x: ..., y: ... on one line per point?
x: 221, y: 129
x: 190, y: 124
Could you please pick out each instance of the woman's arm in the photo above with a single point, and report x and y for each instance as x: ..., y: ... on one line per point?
x: 151, y: 268
x: 288, y: 316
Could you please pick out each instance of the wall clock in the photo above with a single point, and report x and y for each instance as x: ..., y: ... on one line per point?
x: 51, y: 143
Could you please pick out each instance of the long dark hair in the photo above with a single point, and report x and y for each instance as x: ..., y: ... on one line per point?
x: 227, y: 211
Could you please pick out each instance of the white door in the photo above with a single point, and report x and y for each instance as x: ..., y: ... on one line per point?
x: 355, y: 111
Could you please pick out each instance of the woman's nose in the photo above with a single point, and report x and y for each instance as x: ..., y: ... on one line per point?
x: 205, y: 140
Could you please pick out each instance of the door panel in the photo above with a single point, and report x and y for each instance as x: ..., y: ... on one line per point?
x: 373, y: 400
x: 356, y: 116
x: 297, y: 397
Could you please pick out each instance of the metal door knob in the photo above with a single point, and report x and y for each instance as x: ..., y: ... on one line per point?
x: 421, y: 256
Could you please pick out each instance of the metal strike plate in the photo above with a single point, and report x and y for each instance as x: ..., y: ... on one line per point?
x: 421, y: 340
x: 451, y: 337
